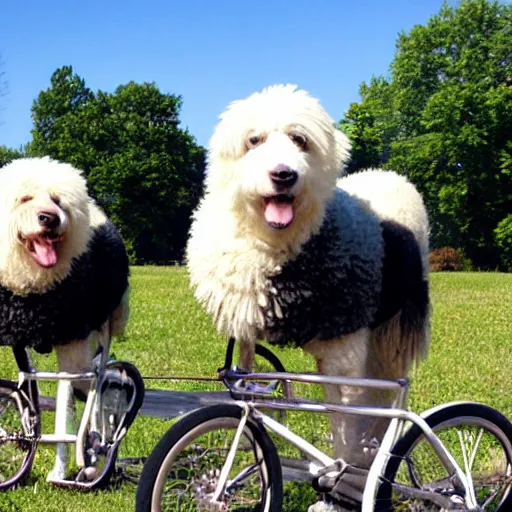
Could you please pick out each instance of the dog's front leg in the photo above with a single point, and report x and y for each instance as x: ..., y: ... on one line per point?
x: 246, y: 357
x: 74, y: 357
x: 64, y: 416
x: 355, y: 437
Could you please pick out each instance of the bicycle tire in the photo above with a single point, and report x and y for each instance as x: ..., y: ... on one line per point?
x: 466, y: 413
x: 12, y: 437
x: 267, y: 354
x: 275, y: 362
x: 210, y: 419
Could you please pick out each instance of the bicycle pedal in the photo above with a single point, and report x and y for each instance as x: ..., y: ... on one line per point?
x: 90, y: 477
x: 94, y: 448
x: 341, y: 481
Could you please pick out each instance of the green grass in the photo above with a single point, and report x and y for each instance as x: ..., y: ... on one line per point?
x: 169, y: 334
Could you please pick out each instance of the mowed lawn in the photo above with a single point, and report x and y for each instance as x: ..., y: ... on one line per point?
x: 169, y: 335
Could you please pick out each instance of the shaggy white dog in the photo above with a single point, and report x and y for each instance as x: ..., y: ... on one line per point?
x: 63, y: 268
x: 282, y: 249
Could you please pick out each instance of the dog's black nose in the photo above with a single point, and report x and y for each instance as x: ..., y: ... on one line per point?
x: 283, y: 176
x: 48, y: 220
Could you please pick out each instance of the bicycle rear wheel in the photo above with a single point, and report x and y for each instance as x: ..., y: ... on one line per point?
x: 182, y: 472
x: 17, y: 439
x: 480, y: 440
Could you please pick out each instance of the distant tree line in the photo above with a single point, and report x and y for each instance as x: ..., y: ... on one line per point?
x: 443, y: 117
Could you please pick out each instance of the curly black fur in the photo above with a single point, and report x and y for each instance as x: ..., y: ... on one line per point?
x: 74, y: 307
x: 358, y: 271
x: 404, y: 286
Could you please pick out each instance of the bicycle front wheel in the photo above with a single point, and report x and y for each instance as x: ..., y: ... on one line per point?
x: 480, y: 440
x: 17, y: 445
x: 182, y: 472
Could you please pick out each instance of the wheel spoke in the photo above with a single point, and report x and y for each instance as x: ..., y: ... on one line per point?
x: 480, y: 440
x: 243, y: 475
x: 218, y: 464
x: 467, y: 465
x: 475, y: 448
x: 16, y: 447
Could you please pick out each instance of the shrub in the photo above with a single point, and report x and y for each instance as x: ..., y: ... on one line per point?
x: 447, y: 259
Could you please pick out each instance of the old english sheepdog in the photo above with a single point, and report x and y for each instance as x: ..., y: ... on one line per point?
x: 63, y: 270
x: 283, y: 249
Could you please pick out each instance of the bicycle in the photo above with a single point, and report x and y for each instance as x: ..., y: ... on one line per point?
x: 102, y: 426
x: 115, y: 395
x: 194, y: 467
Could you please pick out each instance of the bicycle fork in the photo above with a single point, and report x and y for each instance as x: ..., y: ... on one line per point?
x: 223, y: 478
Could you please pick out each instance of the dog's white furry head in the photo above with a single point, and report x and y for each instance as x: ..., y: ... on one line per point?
x: 44, y: 223
x: 274, y: 160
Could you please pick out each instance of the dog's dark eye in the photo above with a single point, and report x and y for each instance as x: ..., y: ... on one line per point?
x: 56, y: 200
x: 254, y: 140
x: 25, y: 199
x: 300, y: 140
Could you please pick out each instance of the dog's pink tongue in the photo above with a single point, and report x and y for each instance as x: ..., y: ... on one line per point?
x: 278, y: 212
x: 45, y: 253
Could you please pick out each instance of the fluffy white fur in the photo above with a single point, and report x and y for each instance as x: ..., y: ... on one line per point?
x: 233, y: 252
x: 29, y: 187
x: 228, y: 224
x: 392, y: 197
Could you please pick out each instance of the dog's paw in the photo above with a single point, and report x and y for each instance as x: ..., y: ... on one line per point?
x: 323, y: 506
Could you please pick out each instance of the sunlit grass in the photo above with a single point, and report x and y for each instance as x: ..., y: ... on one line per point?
x: 170, y: 335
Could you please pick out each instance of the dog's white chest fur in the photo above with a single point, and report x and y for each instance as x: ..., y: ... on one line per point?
x: 253, y: 290
x: 232, y: 282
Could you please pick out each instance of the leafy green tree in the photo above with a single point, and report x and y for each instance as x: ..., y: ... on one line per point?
x: 371, y: 125
x: 444, y: 118
x: 8, y: 155
x: 141, y: 166
x: 64, y: 116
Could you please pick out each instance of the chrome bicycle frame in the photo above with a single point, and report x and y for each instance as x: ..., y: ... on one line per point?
x: 28, y: 379
x: 399, y: 417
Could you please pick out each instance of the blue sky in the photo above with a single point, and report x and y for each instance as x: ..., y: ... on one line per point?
x: 209, y: 51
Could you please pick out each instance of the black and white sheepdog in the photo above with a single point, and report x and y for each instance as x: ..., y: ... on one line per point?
x: 284, y: 250
x: 63, y: 265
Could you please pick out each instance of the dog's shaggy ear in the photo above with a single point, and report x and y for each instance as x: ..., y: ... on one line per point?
x: 228, y: 139
x: 272, y: 109
x: 226, y: 143
x: 28, y: 175
x: 343, y: 149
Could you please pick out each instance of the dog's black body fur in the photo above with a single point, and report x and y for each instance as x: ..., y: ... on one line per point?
x: 73, y: 307
x: 357, y: 271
